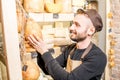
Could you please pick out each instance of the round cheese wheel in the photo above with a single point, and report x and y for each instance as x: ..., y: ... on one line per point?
x: 33, y: 28
x: 28, y: 50
x: 66, y: 5
x: 52, y: 7
x: 30, y: 71
x: 21, y: 18
x: 34, y: 5
x: 20, y: 21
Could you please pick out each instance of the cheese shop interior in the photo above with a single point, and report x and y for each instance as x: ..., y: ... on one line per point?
x: 50, y: 20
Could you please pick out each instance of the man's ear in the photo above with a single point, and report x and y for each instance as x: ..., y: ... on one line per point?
x: 91, y: 30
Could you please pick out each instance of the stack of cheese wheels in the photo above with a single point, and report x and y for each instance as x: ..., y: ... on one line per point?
x: 66, y: 5
x: 32, y: 28
x: 34, y: 5
x: 52, y: 7
x: 30, y: 71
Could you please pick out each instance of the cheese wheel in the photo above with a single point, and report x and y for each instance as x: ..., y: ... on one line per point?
x: 66, y: 5
x: 20, y: 21
x: 27, y: 45
x: 28, y: 50
x: 61, y: 41
x: 52, y: 7
x: 34, y: 5
x: 60, y: 32
x: 21, y: 18
x: 30, y: 71
x: 31, y: 28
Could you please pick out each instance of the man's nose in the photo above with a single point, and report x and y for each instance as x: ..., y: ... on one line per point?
x: 72, y: 27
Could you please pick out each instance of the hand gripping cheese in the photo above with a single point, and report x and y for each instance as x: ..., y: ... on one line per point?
x: 32, y: 28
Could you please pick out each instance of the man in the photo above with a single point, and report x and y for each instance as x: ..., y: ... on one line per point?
x: 83, y: 60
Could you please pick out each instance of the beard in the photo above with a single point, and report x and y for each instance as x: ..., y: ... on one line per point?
x: 77, y: 37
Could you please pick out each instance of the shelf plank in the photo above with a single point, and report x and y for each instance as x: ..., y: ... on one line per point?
x: 38, y: 17
x: 48, y: 17
x: 51, y: 17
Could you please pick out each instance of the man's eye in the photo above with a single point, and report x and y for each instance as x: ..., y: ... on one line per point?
x: 78, y: 25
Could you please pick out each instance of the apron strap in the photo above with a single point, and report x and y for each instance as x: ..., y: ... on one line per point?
x: 85, y: 52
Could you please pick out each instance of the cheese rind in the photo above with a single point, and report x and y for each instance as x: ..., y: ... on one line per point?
x: 34, y: 5
x: 52, y: 7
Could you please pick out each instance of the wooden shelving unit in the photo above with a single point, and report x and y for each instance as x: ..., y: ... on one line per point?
x: 10, y: 39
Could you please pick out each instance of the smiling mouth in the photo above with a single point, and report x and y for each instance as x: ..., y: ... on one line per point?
x: 72, y: 32
x: 72, y: 35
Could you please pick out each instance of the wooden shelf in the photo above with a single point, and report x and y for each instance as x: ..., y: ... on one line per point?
x: 51, y: 17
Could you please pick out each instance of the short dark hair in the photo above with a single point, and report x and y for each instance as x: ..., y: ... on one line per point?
x: 94, y: 17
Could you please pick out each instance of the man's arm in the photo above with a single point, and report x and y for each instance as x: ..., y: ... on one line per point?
x: 61, y: 59
x: 90, y: 68
x: 41, y: 64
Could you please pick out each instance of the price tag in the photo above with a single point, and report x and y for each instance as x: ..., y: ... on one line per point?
x: 110, y: 30
x: 55, y: 16
x: 34, y: 55
x: 24, y: 68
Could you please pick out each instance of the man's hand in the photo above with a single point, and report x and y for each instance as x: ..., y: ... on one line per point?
x: 38, y: 44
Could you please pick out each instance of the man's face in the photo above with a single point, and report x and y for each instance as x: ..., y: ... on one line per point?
x: 79, y: 28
